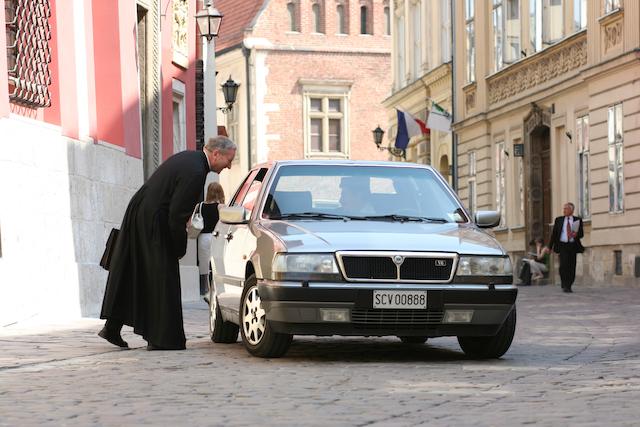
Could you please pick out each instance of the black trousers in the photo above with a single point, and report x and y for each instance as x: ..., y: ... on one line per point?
x: 567, y: 252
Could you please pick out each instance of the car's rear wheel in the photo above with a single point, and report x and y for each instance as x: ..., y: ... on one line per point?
x: 413, y: 340
x: 221, y: 331
x: 257, y: 335
x: 491, y: 347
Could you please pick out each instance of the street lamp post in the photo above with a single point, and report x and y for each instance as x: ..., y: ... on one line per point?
x: 378, y: 134
x: 209, y: 20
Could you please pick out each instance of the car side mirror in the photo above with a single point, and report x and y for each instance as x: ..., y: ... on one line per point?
x: 233, y: 214
x: 487, y: 219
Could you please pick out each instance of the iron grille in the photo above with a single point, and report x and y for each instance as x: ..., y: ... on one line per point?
x: 28, y: 54
x: 425, y: 268
x: 394, y: 319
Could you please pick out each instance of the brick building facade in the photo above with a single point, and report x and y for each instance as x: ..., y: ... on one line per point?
x: 312, y: 78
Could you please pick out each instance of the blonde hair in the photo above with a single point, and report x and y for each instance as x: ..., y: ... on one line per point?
x: 215, y: 193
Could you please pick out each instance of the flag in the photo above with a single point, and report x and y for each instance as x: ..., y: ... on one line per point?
x: 408, y: 127
x: 439, y: 119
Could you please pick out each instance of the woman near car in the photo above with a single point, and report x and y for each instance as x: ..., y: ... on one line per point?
x: 215, y: 196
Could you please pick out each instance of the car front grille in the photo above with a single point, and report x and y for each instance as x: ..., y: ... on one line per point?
x: 397, y: 267
x: 394, y: 319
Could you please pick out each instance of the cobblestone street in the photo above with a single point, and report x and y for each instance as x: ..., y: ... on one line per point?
x: 575, y: 361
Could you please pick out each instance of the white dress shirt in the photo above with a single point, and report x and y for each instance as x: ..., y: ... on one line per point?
x: 563, y: 234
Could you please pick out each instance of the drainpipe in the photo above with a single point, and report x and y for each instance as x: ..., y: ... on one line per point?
x: 247, y: 55
x: 454, y: 137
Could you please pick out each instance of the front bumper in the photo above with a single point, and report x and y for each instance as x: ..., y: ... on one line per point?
x: 295, y: 309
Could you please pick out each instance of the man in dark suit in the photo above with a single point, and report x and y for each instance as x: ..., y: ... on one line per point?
x: 565, y: 241
x: 143, y: 288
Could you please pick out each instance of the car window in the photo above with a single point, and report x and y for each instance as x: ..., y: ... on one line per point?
x: 361, y: 191
x: 242, y: 190
x: 249, y: 198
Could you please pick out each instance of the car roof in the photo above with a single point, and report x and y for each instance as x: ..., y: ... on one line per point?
x: 314, y: 162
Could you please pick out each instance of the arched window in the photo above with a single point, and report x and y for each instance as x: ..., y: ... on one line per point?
x: 342, y: 27
x: 315, y: 10
x: 291, y: 10
x: 364, y: 20
x: 387, y: 21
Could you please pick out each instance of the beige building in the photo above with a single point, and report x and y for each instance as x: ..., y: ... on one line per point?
x: 421, y: 33
x: 548, y: 111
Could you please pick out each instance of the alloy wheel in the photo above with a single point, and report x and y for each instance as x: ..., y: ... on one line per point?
x: 253, y: 317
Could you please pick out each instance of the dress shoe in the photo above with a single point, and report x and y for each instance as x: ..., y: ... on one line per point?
x: 113, y: 337
x: 567, y: 290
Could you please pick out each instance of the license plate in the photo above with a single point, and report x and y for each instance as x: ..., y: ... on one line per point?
x: 400, y: 299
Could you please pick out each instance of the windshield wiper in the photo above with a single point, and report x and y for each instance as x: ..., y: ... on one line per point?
x: 402, y: 218
x: 312, y: 215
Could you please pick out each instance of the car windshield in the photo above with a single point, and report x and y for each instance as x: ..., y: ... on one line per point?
x: 346, y: 192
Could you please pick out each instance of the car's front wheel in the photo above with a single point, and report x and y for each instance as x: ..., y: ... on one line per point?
x: 221, y: 331
x: 257, y: 335
x: 491, y: 347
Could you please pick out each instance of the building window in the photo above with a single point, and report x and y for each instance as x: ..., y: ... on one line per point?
x: 318, y: 19
x: 501, y: 199
x: 616, y: 161
x: 553, y: 21
x: 611, y: 5
x: 512, y: 31
x: 233, y: 128
x: 179, y: 117
x: 28, y: 54
x: 498, y: 28
x: 445, y: 30
x: 293, y: 11
x: 535, y: 25
x: 470, y: 66
x: 341, y: 20
x: 579, y: 14
x: 326, y: 122
x: 364, y: 20
x: 417, y: 42
x: 584, y: 193
x: 387, y: 21
x: 472, y: 202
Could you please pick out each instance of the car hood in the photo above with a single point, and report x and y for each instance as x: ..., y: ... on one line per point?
x: 329, y: 236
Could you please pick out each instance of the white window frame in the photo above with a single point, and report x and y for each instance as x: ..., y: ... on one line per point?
x: 417, y: 41
x: 445, y: 31
x: 615, y: 137
x: 179, y: 136
x: 551, y: 24
x: 579, y: 14
x: 470, y: 36
x: 612, y: 5
x: 326, y: 90
x: 341, y: 19
x: 233, y: 128
x: 584, y: 166
x: 401, y: 53
x: 472, y: 197
x: 511, y: 35
x: 497, y: 21
x: 501, y: 193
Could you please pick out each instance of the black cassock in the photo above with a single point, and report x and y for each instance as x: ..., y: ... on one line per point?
x: 143, y: 288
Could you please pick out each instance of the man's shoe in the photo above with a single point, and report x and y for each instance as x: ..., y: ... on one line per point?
x: 113, y: 338
x: 567, y: 290
x: 151, y: 347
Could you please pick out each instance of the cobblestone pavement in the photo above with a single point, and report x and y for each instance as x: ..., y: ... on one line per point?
x: 574, y: 361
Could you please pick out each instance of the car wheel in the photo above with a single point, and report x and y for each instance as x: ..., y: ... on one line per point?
x: 491, y: 347
x: 221, y: 331
x: 257, y: 335
x: 413, y: 340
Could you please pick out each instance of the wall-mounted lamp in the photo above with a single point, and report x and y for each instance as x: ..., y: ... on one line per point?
x: 378, y: 134
x: 230, y: 91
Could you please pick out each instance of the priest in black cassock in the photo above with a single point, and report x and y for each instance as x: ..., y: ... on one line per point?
x: 143, y: 288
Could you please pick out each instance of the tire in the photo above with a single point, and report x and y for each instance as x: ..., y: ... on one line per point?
x: 257, y: 335
x: 413, y: 340
x: 491, y: 347
x: 221, y: 331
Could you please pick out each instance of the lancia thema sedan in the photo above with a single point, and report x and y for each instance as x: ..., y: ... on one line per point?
x: 357, y: 248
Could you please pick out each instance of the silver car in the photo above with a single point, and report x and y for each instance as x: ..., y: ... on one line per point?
x: 357, y: 248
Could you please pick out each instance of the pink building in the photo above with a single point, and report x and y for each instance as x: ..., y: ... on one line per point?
x: 93, y: 96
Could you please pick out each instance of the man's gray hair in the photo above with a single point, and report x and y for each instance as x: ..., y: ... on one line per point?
x: 573, y: 207
x: 220, y: 143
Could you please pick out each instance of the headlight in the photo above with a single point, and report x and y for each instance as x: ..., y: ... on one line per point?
x: 484, y: 266
x: 305, y: 267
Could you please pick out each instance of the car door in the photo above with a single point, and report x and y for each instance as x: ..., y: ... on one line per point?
x: 239, y: 244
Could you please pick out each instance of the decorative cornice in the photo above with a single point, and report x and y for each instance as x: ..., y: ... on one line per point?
x: 532, y: 71
x: 442, y: 71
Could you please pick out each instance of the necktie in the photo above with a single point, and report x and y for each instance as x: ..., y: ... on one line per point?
x: 568, y: 230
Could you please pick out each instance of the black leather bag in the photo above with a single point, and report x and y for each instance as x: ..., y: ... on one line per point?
x: 105, y: 261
